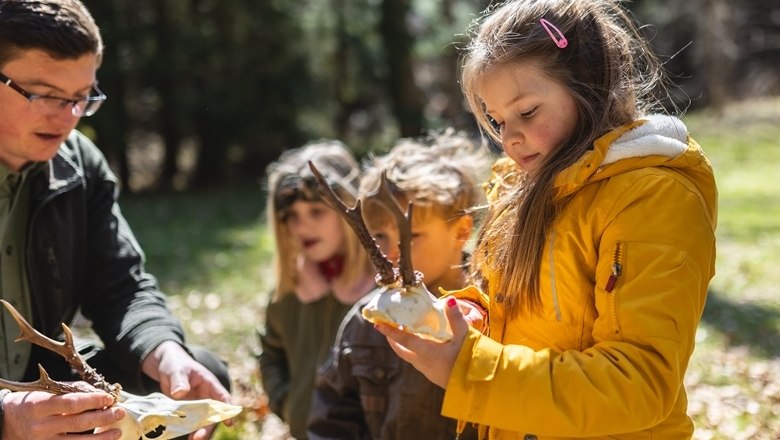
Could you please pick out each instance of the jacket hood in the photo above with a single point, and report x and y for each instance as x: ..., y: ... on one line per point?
x: 659, y: 135
x: 656, y: 140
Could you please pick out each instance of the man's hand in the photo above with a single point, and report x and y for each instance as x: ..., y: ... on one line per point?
x: 182, y: 378
x: 40, y: 415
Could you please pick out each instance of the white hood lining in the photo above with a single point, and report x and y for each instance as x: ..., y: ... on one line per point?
x: 660, y: 135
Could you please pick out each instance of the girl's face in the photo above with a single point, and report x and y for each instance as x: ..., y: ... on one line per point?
x: 316, y: 229
x: 533, y: 113
x: 437, y: 247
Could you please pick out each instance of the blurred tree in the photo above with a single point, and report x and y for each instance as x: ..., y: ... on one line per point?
x: 757, y: 37
x: 213, y: 90
x: 402, y: 88
x: 165, y: 73
x: 111, y: 124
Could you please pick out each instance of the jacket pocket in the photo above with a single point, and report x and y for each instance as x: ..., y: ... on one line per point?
x: 374, y: 369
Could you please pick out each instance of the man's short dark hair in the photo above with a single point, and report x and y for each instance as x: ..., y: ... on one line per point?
x: 62, y: 28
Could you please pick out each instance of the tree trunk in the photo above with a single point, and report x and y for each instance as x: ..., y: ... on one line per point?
x: 405, y: 95
x: 111, y: 123
x: 166, y: 73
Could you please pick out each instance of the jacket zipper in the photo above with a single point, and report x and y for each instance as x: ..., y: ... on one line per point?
x: 554, y: 290
x: 43, y: 198
x: 617, y: 268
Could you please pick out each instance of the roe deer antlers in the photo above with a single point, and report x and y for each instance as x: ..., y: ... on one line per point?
x: 386, y: 275
x: 409, y: 305
x: 154, y: 416
x: 65, y: 349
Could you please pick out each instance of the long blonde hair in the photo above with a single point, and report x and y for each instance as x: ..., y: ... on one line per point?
x: 290, y: 179
x: 609, y: 69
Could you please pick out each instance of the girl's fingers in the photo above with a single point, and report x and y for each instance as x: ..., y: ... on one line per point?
x: 458, y: 322
x: 403, y: 344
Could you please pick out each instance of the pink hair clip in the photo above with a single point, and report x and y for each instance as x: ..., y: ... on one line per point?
x: 559, y: 39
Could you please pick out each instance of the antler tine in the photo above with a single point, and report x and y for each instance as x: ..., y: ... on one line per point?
x: 45, y: 383
x: 384, y: 196
x: 65, y: 349
x: 384, y: 267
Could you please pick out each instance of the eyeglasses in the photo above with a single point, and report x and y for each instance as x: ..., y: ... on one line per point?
x: 50, y: 104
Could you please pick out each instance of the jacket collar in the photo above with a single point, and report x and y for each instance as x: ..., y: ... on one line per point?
x: 62, y: 171
x: 653, y: 140
x: 58, y: 174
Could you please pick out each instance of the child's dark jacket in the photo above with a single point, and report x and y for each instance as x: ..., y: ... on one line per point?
x: 365, y: 391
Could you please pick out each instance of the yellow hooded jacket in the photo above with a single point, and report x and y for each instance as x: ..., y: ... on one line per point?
x: 624, y: 280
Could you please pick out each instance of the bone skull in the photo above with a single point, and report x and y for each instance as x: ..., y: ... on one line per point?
x: 155, y: 416
x: 159, y: 417
x: 413, y: 309
x: 404, y: 301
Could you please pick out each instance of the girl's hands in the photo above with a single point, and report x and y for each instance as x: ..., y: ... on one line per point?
x: 433, y: 359
x: 41, y: 415
x: 475, y: 315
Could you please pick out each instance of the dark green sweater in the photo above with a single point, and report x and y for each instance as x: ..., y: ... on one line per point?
x: 295, y: 342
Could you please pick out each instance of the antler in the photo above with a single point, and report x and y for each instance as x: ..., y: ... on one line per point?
x: 385, y: 197
x: 385, y: 273
x: 65, y: 349
x: 409, y: 306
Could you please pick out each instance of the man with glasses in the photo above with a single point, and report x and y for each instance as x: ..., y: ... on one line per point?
x: 64, y: 245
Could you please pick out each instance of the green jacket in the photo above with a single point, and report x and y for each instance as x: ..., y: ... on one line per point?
x: 81, y: 253
x: 295, y: 342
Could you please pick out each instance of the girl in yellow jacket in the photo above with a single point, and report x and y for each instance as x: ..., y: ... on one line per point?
x: 595, y: 258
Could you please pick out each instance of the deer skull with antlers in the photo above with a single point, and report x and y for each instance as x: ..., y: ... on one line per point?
x: 155, y: 416
x: 404, y: 301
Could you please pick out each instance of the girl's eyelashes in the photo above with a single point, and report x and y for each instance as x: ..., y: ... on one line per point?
x: 529, y: 114
x: 495, y: 125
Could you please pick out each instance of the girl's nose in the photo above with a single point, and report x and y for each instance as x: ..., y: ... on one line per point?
x: 510, y: 136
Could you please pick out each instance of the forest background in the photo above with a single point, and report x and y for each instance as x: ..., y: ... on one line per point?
x: 203, y: 94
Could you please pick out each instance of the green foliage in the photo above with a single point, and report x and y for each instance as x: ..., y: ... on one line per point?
x: 732, y: 379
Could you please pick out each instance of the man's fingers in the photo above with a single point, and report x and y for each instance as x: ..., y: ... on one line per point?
x: 93, y: 419
x: 74, y: 403
x: 180, y: 385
